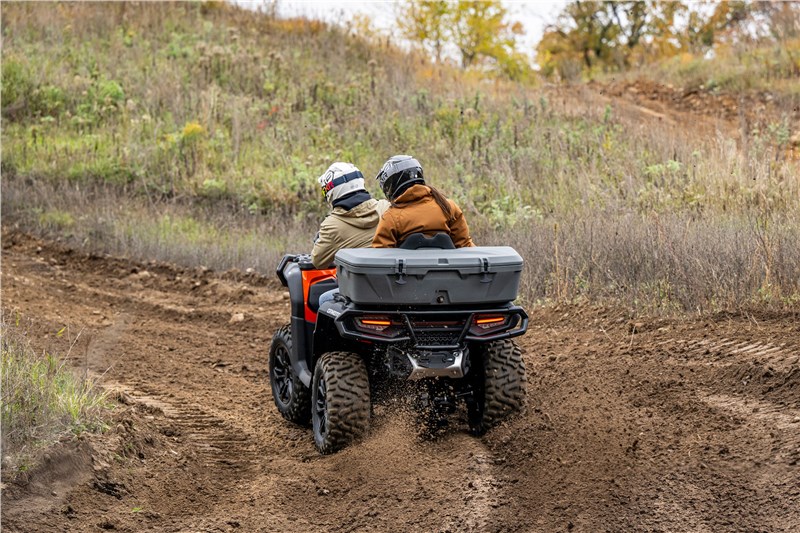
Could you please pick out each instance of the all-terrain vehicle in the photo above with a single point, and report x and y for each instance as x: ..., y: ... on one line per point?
x: 426, y: 312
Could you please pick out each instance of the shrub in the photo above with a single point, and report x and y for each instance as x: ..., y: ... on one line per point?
x: 48, y: 101
x: 109, y: 92
x: 16, y: 82
x: 56, y: 219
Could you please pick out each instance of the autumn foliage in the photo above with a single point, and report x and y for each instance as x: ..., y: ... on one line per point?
x: 477, y: 34
x: 591, y: 36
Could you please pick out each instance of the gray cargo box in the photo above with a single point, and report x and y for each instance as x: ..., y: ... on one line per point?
x: 384, y: 276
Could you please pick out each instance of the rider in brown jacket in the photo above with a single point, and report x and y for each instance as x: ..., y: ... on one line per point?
x: 416, y: 207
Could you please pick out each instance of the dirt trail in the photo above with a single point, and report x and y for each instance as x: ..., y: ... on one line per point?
x: 746, y: 109
x: 669, y: 426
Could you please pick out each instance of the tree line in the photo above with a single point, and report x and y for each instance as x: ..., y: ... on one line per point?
x: 590, y: 36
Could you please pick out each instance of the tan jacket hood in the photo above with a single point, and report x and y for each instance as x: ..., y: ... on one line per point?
x: 347, y: 229
x: 364, y: 215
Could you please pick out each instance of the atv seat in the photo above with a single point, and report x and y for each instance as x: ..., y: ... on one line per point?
x: 418, y: 241
x: 316, y: 290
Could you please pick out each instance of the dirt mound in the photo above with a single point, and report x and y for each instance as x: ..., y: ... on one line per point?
x: 677, y: 425
x: 111, y: 464
x: 756, y: 107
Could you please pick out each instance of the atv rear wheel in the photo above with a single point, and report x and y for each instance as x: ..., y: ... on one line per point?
x: 292, y: 398
x: 498, y: 385
x: 340, y: 400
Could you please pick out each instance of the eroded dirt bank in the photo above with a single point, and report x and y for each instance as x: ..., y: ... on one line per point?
x: 677, y: 426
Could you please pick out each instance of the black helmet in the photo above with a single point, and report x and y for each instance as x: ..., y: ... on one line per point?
x: 398, y: 174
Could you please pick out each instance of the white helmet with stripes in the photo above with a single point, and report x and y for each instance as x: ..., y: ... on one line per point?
x: 340, y: 180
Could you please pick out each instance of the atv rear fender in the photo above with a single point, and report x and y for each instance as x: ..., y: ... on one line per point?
x: 292, y: 277
x: 326, y: 333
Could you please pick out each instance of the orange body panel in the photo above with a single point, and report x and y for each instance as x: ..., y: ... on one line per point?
x: 310, y: 277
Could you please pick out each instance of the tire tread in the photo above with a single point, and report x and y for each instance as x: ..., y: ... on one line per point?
x: 504, y: 383
x: 347, y: 399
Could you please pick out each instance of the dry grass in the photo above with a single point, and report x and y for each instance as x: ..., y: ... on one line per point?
x: 662, y: 264
x: 104, y: 219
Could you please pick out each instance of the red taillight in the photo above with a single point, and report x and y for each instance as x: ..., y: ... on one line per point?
x: 372, y: 322
x: 483, y: 324
x: 381, y: 325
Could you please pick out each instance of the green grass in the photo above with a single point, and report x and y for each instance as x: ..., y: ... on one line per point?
x: 56, y: 219
x: 42, y: 400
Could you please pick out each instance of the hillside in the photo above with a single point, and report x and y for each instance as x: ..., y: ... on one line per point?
x: 194, y: 132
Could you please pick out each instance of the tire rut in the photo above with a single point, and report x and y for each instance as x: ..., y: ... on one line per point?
x: 212, y: 439
x: 752, y: 370
x: 480, y: 493
x: 724, y: 351
x: 781, y: 356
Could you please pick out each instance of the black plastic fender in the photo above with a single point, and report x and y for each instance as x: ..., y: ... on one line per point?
x: 326, y: 334
x: 301, y: 330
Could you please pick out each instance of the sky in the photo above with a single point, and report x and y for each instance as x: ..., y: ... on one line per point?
x: 533, y: 14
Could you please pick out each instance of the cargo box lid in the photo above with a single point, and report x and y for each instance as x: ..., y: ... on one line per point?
x: 417, y: 262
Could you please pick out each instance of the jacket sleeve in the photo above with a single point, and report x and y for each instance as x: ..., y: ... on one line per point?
x: 459, y: 229
x: 325, y: 247
x: 385, y: 236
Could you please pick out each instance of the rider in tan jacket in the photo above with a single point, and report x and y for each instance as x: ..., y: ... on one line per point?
x: 353, y: 217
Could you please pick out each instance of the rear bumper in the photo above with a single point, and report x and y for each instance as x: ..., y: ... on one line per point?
x: 410, y: 327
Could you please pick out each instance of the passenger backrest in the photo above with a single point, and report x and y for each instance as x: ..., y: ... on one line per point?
x: 417, y: 241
